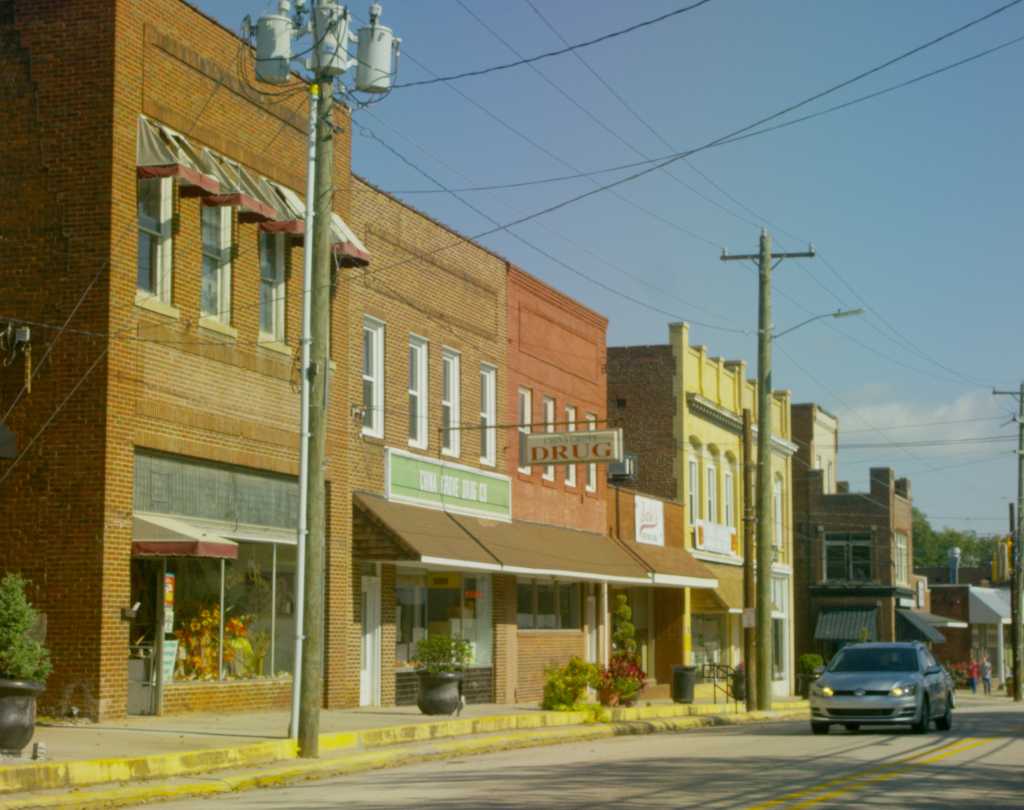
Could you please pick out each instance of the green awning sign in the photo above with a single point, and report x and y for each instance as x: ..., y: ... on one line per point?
x: 443, y: 485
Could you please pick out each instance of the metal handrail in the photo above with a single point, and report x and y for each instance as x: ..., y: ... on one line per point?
x: 724, y: 673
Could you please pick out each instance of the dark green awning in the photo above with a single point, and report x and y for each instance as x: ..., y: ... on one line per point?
x: 847, y: 624
x: 912, y: 627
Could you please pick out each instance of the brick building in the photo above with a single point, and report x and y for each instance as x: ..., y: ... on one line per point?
x: 853, y: 550
x: 681, y: 412
x: 155, y: 217
x: 976, y: 623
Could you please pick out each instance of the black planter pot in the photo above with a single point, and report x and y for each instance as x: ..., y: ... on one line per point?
x: 440, y: 693
x: 17, y: 714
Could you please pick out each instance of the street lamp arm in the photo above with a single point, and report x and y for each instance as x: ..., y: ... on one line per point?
x: 839, y: 313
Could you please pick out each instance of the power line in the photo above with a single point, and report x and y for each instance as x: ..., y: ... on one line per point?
x: 559, y: 52
x: 911, y: 425
x: 930, y: 443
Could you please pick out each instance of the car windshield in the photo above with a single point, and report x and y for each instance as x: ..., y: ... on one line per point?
x: 875, y: 660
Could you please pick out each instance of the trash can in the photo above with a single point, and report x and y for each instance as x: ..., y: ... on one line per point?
x: 684, y: 679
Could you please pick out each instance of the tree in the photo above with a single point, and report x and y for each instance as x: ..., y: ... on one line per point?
x: 931, y: 547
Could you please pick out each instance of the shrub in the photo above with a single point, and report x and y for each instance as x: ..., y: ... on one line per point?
x: 623, y: 630
x: 437, y: 654
x: 622, y: 678
x: 22, y: 658
x: 808, y: 663
x: 565, y: 687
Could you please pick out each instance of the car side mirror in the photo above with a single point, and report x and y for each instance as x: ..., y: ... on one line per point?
x: 933, y: 670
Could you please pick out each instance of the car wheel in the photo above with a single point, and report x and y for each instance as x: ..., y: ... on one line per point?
x: 924, y: 720
x: 851, y: 726
x: 945, y: 723
x: 819, y: 728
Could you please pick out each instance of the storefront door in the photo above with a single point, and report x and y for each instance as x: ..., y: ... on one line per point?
x: 591, y: 620
x: 369, y: 652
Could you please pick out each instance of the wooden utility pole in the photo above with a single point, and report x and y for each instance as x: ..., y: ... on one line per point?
x: 749, y: 596
x: 764, y: 258
x: 1017, y: 562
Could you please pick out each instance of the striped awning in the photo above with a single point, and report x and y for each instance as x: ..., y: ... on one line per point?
x: 847, y: 624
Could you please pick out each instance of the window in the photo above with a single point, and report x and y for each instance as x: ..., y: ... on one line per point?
x: 778, y: 511
x: 694, y: 491
x: 900, y: 552
x: 155, y: 210
x: 727, y: 495
x: 711, y: 493
x: 525, y: 418
x: 215, y: 293
x: 591, y: 468
x: 488, y: 414
x: 778, y: 649
x: 272, y: 289
x: 417, y: 392
x: 548, y: 606
x: 830, y: 483
x: 549, y: 427
x: 442, y: 603
x: 373, y: 378
x: 848, y: 557
x: 817, y: 464
x: 450, y: 438
x: 570, y: 471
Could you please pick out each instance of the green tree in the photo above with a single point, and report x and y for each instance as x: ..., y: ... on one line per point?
x: 931, y: 547
x: 623, y: 632
x: 22, y: 657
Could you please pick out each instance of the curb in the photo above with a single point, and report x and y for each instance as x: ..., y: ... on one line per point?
x: 389, y: 757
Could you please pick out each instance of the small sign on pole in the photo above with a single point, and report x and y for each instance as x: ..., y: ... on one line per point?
x: 749, y: 617
x: 573, y: 447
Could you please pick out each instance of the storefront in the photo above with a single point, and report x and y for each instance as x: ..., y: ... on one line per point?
x: 213, y: 587
x: 715, y: 625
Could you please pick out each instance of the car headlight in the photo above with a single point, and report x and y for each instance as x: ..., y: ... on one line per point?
x: 905, y: 689
x: 822, y: 690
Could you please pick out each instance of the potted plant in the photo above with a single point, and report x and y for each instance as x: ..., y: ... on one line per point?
x: 622, y: 679
x: 442, y: 660
x: 809, y: 666
x: 24, y: 666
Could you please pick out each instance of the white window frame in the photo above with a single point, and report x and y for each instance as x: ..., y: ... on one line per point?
x: 419, y: 354
x: 488, y: 414
x: 163, y: 272
x: 711, y: 492
x: 778, y: 513
x: 900, y: 547
x: 591, y: 468
x: 373, y: 414
x: 693, y: 495
x: 548, y: 412
x: 451, y: 439
x: 570, y: 470
x: 278, y: 288
x: 728, y: 497
x: 524, y: 402
x: 222, y: 257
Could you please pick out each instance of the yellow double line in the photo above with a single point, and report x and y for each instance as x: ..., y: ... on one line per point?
x: 833, y: 788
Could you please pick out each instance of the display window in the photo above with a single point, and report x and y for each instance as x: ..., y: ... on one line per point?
x: 442, y: 603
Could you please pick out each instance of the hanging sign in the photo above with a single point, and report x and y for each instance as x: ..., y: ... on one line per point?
x: 574, y: 447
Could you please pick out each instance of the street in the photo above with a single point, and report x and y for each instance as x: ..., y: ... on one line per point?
x: 978, y: 764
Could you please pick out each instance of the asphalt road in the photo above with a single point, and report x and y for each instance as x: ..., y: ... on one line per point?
x: 980, y: 763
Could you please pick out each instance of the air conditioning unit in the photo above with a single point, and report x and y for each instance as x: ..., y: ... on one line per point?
x: 624, y: 470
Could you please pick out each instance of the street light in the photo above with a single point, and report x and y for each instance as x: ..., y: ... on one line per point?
x: 839, y: 313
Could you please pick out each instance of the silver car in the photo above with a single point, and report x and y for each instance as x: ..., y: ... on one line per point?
x: 896, y: 683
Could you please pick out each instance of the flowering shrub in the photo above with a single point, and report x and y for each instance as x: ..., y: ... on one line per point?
x: 564, y: 687
x: 620, y: 680
x: 960, y: 673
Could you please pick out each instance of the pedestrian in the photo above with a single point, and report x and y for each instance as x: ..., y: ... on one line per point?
x: 973, y: 670
x: 986, y: 674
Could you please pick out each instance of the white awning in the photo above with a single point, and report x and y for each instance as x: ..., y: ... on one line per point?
x: 989, y: 605
x: 167, y: 536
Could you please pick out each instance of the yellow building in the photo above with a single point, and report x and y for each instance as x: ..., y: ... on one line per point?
x: 681, y: 411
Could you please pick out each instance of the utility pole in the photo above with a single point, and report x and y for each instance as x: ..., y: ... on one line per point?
x: 764, y: 258
x: 749, y: 593
x: 1017, y: 573
x: 377, y: 53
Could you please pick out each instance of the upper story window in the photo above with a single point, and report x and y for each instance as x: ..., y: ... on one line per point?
x: 155, y: 214
x: 711, y: 493
x: 549, y: 427
x: 693, y: 490
x: 902, y: 558
x: 525, y: 417
x: 570, y: 470
x: 272, y: 287
x: 450, y: 439
x: 373, y: 378
x: 830, y: 482
x: 778, y: 512
x: 417, y: 392
x: 728, y: 496
x: 488, y: 414
x: 848, y: 557
x: 215, y: 293
x: 591, y: 468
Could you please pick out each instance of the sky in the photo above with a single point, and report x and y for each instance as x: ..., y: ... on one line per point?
x: 911, y: 200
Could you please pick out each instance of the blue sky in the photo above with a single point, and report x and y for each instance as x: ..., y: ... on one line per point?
x: 911, y: 199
